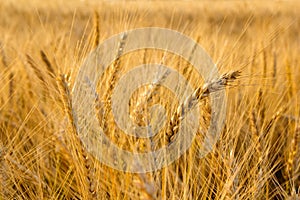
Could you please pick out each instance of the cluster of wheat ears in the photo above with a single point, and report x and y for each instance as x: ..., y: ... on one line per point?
x: 255, y: 47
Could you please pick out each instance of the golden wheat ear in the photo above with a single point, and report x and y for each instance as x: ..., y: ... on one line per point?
x: 87, y: 161
x: 199, y: 94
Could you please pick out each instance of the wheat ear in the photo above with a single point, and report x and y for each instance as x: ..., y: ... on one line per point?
x: 199, y: 94
x: 64, y: 83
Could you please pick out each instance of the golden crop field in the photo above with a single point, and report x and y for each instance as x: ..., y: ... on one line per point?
x: 44, y: 153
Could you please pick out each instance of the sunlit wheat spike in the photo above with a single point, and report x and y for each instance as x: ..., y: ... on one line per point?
x: 64, y: 86
x: 114, y: 71
x: 199, y: 94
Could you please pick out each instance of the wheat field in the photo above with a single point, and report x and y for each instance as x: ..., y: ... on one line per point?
x: 255, y: 46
